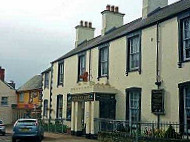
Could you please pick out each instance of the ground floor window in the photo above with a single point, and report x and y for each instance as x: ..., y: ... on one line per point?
x: 45, y: 111
x: 59, y: 106
x: 69, y: 104
x: 187, y: 107
x: 133, y: 105
x: 184, y: 110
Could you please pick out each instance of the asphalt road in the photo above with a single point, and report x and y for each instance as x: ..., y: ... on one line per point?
x: 50, y: 137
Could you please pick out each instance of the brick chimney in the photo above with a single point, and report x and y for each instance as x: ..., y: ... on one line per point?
x: 151, y: 5
x: 2, y: 74
x: 111, y: 17
x: 84, y: 31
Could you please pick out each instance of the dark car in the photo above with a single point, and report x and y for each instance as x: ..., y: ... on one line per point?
x: 27, y: 129
x: 2, y: 128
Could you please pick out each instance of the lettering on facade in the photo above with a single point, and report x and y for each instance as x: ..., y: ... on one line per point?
x: 85, y: 97
x: 158, y: 102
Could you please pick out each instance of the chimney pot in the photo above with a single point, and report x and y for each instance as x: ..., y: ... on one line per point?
x: 86, y: 24
x: 2, y: 74
x: 81, y: 23
x: 90, y: 24
x: 108, y: 7
x: 116, y: 9
x: 112, y: 8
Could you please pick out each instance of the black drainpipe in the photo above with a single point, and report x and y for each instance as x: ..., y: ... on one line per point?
x: 158, y: 82
x: 50, y: 96
x: 89, y: 74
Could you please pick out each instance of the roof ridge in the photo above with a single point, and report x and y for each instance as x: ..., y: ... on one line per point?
x: 164, y: 13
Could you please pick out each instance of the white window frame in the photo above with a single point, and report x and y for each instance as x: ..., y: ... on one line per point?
x: 134, y: 53
x: 21, y: 99
x: 131, y: 107
x: 185, y: 39
x: 46, y: 80
x: 60, y: 73
x: 45, y: 113
x: 4, y: 102
x: 104, y: 61
x: 82, y: 65
x: 59, y: 107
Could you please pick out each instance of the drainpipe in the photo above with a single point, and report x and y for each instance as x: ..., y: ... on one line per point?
x: 50, y: 96
x: 158, y: 81
x: 89, y: 74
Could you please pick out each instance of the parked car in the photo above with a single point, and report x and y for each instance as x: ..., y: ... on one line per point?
x: 27, y: 129
x: 2, y: 128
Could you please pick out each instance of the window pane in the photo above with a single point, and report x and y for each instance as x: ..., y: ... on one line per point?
x: 104, y: 61
x: 134, y: 105
x: 82, y: 65
x: 134, y: 52
x: 187, y: 53
x: 187, y: 28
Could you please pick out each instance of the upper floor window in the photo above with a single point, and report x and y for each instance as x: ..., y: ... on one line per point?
x: 81, y: 66
x: 46, y: 81
x: 21, y: 97
x: 103, y: 61
x: 60, y: 73
x: 186, y: 39
x: 4, y: 101
x: 134, y: 54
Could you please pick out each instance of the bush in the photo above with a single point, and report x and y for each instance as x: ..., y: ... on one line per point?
x: 170, y: 133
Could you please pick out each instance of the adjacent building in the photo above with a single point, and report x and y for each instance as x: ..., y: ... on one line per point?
x: 120, y: 73
x: 29, y: 98
x: 8, y: 99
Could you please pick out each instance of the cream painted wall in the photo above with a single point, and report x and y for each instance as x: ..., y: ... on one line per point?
x: 170, y: 73
x: 46, y: 92
x: 6, y: 112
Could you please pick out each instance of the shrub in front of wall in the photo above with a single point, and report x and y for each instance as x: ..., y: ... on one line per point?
x: 170, y: 133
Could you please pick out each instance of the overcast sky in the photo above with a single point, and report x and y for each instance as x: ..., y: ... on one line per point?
x: 35, y: 32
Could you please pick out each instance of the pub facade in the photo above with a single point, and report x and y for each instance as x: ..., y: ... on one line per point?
x: 132, y: 72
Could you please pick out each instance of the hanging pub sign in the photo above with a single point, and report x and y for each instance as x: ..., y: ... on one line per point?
x: 157, y: 102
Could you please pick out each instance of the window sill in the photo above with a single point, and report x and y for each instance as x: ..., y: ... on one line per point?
x: 103, y: 76
x: 59, y: 85
x: 5, y: 105
x: 181, y: 62
x: 133, y: 70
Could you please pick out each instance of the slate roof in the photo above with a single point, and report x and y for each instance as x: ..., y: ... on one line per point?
x: 159, y: 15
x: 34, y: 83
x: 8, y: 85
x: 47, y: 70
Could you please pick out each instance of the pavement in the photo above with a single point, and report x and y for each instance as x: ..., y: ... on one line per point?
x: 48, y: 137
